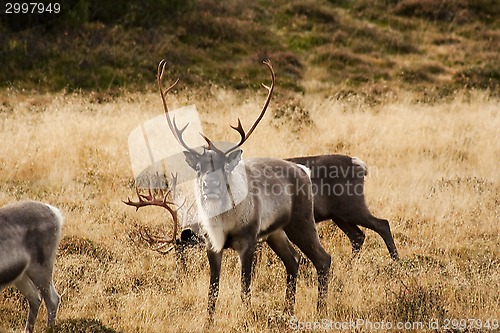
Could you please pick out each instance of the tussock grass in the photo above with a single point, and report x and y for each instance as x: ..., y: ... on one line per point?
x: 432, y: 173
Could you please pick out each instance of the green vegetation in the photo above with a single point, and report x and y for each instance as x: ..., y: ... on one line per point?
x: 421, y: 45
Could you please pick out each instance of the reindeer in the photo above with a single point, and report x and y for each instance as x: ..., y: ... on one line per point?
x: 338, y: 187
x: 241, y: 201
x: 29, y: 237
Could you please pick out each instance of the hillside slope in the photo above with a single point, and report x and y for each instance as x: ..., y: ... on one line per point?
x: 434, y: 47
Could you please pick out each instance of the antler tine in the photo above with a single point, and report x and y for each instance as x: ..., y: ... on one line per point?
x: 178, y: 135
x: 173, y: 187
x: 144, y: 232
x: 211, y: 146
x: 171, y: 123
x: 239, y: 127
x: 152, y: 200
x: 161, y: 73
x: 156, y: 243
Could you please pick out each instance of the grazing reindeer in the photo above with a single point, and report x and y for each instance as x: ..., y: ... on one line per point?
x: 29, y: 237
x: 338, y: 187
x: 242, y: 201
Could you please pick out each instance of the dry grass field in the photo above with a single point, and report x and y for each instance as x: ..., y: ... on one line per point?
x: 433, y: 174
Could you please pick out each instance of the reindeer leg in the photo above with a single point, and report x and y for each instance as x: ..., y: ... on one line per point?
x: 246, y: 255
x: 381, y: 227
x: 32, y: 294
x: 280, y: 244
x: 215, y: 261
x: 52, y: 300
x: 307, y: 240
x: 356, y: 235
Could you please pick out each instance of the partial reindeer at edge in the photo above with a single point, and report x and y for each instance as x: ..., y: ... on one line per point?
x: 29, y: 236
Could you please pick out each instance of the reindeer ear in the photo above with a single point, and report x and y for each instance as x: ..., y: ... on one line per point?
x: 233, y: 159
x: 191, y: 159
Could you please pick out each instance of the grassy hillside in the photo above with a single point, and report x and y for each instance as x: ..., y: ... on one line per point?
x: 433, y: 47
x: 437, y: 185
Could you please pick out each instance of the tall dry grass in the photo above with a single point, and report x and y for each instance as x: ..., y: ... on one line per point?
x: 433, y: 175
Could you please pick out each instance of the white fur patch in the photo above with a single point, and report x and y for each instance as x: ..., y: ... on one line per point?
x: 215, y: 234
x: 218, y: 217
x: 357, y: 161
x: 306, y: 169
x: 57, y: 213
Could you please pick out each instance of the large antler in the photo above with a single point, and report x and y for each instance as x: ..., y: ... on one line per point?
x: 239, y: 127
x: 171, y: 123
x: 161, y: 199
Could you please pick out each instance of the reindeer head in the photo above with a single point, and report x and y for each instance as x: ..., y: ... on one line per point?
x: 212, y: 171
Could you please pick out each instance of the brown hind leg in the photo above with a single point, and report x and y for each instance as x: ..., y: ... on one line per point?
x: 356, y: 235
x: 306, y: 238
x: 279, y: 243
x: 381, y: 227
x: 215, y: 262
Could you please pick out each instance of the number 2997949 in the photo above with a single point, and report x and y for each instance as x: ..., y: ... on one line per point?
x: 32, y: 8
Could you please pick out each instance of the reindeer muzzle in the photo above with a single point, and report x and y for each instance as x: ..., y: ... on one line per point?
x: 211, y: 186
